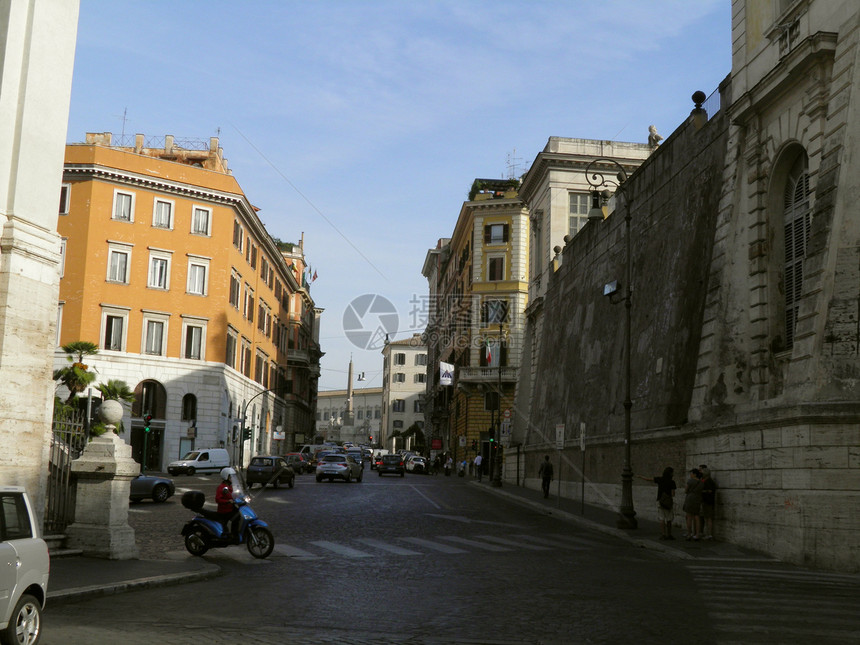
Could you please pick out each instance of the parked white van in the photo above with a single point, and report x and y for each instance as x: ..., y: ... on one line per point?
x: 200, y: 461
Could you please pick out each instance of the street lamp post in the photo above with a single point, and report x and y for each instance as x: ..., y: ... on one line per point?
x: 597, y: 180
x: 497, y: 471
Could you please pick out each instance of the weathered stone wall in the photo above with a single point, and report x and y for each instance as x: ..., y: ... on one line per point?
x: 674, y: 198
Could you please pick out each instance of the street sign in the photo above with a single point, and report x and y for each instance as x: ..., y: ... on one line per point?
x: 559, y: 436
x: 505, y: 428
x: 462, y: 441
x: 507, y: 413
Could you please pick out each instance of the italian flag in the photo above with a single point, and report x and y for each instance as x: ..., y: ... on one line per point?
x: 489, y: 352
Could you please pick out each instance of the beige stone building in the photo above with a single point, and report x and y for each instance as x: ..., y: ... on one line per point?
x: 404, y: 381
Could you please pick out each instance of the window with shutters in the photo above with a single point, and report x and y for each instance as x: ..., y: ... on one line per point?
x: 797, y: 221
x: 495, y: 233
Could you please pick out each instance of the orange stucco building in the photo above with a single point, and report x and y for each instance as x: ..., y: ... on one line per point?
x: 169, y: 270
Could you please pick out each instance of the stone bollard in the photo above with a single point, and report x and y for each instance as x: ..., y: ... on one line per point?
x: 104, y: 472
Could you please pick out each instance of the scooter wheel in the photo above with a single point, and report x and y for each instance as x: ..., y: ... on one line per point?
x: 260, y: 542
x: 196, y: 543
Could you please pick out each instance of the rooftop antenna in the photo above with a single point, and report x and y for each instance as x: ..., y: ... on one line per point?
x: 124, y: 112
x: 513, y: 164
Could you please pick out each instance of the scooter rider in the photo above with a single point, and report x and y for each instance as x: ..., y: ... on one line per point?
x: 224, y: 498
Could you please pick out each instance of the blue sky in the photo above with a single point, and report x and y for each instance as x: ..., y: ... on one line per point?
x: 363, y: 123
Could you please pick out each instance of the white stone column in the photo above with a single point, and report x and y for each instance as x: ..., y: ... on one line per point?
x: 38, y: 45
x: 104, y: 473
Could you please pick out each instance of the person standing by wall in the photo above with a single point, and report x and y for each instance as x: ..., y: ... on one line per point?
x: 693, y: 504
x: 479, y: 471
x: 665, y: 500
x: 709, y: 500
x: 545, y: 473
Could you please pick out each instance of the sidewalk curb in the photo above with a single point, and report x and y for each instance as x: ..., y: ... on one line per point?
x: 93, y: 591
x: 590, y: 524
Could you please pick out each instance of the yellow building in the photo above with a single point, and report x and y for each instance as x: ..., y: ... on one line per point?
x: 479, y: 290
x: 169, y: 270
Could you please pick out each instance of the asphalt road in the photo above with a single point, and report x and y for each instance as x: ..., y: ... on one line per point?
x: 420, y: 559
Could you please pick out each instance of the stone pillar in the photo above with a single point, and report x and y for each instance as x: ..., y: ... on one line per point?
x: 104, y: 473
x: 38, y: 49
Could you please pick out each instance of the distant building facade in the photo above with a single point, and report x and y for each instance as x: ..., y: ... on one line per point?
x: 332, y: 415
x: 169, y: 270
x: 404, y: 381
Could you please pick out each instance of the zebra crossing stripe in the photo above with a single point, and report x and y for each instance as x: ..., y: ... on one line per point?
x: 552, y: 543
x: 294, y: 552
x: 435, y: 546
x: 341, y: 549
x: 474, y: 543
x: 390, y: 548
x: 519, y: 545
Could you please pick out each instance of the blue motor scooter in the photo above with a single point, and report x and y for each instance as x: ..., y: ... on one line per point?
x: 208, y: 531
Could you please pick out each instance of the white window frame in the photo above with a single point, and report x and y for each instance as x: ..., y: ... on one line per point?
x: 194, y: 322
x: 122, y: 249
x: 500, y: 227
x: 65, y: 198
x: 154, y: 317
x: 197, y: 261
x: 172, y: 209
x: 235, y: 278
x: 63, y: 244
x: 161, y: 256
x: 241, y: 245
x: 208, y: 211
x: 232, y: 334
x: 113, y: 213
x: 114, y: 311
x: 577, y: 214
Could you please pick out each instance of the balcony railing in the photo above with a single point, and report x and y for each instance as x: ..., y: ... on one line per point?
x: 487, y: 374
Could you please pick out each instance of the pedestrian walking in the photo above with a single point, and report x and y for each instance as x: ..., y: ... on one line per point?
x: 665, y: 500
x: 545, y: 474
x: 693, y: 504
x: 709, y: 501
x: 449, y: 464
x: 479, y: 471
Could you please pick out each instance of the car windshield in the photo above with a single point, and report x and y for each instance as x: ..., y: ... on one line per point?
x: 191, y: 455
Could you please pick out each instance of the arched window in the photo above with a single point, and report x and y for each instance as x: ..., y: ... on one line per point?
x: 150, y: 397
x: 189, y: 407
x: 797, y: 221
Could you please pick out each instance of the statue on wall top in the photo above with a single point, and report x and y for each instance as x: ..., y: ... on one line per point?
x: 654, y: 139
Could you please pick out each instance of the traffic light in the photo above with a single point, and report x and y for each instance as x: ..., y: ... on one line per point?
x: 370, y: 439
x: 246, y: 434
x: 146, y: 421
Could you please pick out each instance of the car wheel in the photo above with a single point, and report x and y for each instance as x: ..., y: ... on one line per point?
x: 195, y: 543
x: 160, y: 493
x: 25, y: 623
x: 319, y: 479
x: 190, y: 471
x: 260, y: 541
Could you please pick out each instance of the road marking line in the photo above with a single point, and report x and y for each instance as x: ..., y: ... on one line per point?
x: 384, y: 546
x: 519, y: 545
x: 425, y: 496
x: 341, y: 549
x: 474, y: 543
x: 442, y: 548
x: 294, y: 552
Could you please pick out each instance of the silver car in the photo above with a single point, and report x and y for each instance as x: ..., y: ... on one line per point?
x: 339, y: 466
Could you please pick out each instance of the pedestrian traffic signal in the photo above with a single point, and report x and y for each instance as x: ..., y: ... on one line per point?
x: 146, y: 421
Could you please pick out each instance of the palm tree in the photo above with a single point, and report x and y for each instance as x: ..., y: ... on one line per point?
x: 116, y: 390
x: 76, y: 376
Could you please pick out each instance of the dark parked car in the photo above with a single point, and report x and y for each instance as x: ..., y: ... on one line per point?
x: 298, y: 463
x: 391, y: 465
x: 158, y: 489
x: 269, y: 469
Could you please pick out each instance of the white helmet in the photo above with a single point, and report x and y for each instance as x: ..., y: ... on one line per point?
x: 227, y: 472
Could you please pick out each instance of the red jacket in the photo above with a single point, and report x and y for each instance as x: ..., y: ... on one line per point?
x: 224, y: 498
